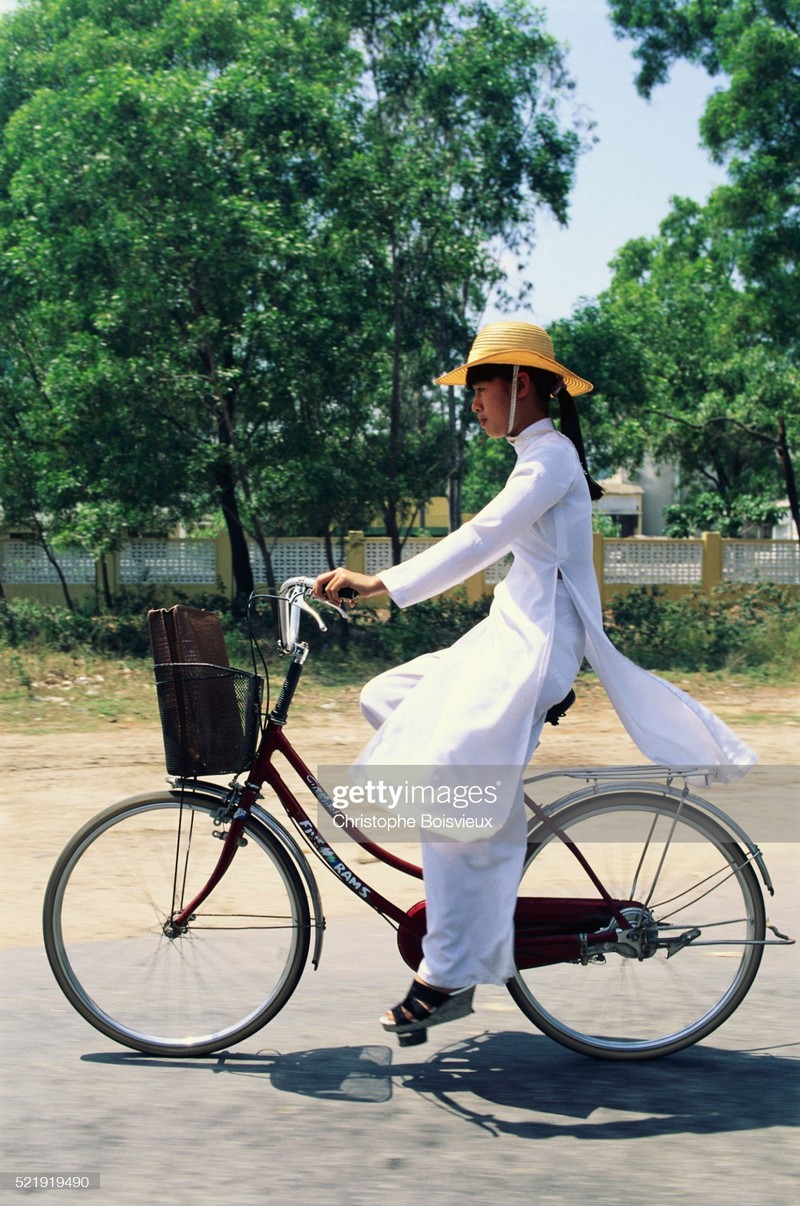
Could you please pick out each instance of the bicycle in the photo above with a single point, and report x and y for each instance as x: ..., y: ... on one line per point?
x: 179, y: 922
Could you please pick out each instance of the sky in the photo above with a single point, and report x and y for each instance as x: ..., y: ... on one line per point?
x: 648, y: 151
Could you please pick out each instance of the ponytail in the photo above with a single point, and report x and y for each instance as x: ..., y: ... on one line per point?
x: 570, y: 426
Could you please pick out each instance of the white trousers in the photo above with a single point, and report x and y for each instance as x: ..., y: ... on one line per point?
x: 471, y: 887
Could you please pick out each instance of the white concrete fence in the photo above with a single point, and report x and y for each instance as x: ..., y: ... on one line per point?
x: 203, y: 565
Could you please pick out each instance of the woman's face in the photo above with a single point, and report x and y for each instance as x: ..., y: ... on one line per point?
x: 491, y: 405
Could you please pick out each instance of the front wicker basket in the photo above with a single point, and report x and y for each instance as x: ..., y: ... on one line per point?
x: 210, y: 713
x: 209, y: 717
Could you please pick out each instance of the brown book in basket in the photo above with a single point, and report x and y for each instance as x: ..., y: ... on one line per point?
x: 208, y: 711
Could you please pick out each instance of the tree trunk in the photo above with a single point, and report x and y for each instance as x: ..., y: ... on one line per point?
x: 329, y: 557
x: 42, y: 541
x: 225, y: 479
x: 788, y: 473
x: 61, y: 578
x: 109, y: 602
x: 393, y: 529
x: 240, y: 554
x: 269, y: 569
x: 266, y: 557
x: 392, y: 501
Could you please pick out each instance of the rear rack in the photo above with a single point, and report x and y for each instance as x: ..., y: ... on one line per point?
x: 702, y: 776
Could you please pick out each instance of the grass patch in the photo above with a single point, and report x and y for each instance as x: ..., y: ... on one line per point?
x: 46, y: 692
x: 49, y: 692
x: 62, y: 671
x: 748, y: 630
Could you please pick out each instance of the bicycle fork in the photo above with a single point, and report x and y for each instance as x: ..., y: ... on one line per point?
x: 242, y: 799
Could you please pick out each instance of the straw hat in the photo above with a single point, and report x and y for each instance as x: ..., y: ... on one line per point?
x: 515, y: 343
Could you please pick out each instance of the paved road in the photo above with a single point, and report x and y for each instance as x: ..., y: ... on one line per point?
x: 320, y: 1108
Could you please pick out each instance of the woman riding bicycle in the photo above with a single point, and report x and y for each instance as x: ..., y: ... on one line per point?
x: 492, y: 689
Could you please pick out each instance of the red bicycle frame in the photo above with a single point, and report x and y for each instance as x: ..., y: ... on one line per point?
x: 548, y: 929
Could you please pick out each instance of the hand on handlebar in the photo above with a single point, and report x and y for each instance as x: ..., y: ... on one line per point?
x: 346, y: 586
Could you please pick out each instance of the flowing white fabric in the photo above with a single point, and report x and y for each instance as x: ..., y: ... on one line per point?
x: 482, y: 701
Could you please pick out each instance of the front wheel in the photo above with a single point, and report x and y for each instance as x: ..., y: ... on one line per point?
x: 701, y: 932
x: 107, y: 909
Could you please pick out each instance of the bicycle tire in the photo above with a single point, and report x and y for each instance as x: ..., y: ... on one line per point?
x: 120, y: 880
x: 620, y: 1006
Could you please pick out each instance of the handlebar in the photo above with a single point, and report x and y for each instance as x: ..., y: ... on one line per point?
x: 292, y: 601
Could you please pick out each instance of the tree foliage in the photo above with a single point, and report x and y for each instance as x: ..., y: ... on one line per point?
x: 681, y: 378
x: 456, y: 146
x: 159, y: 174
x: 695, y: 343
x: 751, y: 124
x: 239, y: 238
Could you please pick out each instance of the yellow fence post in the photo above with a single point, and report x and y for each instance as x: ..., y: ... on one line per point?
x: 224, y: 562
x: 356, y: 553
x: 475, y: 587
x: 711, y: 573
x: 598, y: 556
x: 112, y: 574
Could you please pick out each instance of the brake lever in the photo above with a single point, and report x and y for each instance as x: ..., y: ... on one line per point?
x: 346, y: 593
x: 301, y: 601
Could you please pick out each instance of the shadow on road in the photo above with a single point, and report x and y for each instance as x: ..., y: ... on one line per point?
x: 521, y: 1084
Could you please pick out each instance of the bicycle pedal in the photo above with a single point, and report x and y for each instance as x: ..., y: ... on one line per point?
x: 413, y: 1038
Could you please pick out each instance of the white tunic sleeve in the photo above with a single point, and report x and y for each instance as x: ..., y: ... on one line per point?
x: 534, y: 486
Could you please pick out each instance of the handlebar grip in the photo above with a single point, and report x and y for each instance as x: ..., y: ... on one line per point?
x: 347, y: 592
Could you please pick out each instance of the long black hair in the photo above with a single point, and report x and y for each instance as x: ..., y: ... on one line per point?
x: 548, y: 385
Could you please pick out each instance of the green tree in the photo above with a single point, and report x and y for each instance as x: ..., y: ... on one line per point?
x: 486, y: 469
x: 67, y: 475
x: 238, y: 240
x: 678, y: 375
x: 705, y: 512
x: 159, y: 189
x: 458, y: 146
x: 751, y: 123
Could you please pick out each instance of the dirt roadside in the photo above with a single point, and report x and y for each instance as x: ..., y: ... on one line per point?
x: 54, y: 782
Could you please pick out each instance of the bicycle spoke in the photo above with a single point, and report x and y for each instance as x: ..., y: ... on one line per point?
x: 646, y: 997
x: 640, y: 865
x: 664, y: 853
x: 699, y: 895
x: 224, y: 977
x: 178, y: 901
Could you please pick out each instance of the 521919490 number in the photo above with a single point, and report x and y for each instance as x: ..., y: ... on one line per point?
x: 52, y: 1182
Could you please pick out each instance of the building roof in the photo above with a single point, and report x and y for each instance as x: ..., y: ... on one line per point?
x: 617, y: 483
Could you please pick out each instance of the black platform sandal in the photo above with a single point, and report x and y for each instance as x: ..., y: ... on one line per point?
x: 428, y: 1007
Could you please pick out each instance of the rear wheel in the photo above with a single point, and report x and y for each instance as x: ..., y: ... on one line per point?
x: 107, y: 907
x: 702, y: 900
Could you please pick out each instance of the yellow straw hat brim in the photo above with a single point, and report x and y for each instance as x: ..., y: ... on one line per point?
x: 519, y: 343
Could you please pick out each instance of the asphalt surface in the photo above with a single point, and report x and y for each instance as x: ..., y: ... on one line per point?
x: 323, y: 1107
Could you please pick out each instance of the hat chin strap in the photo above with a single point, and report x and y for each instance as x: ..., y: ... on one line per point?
x: 513, y: 408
